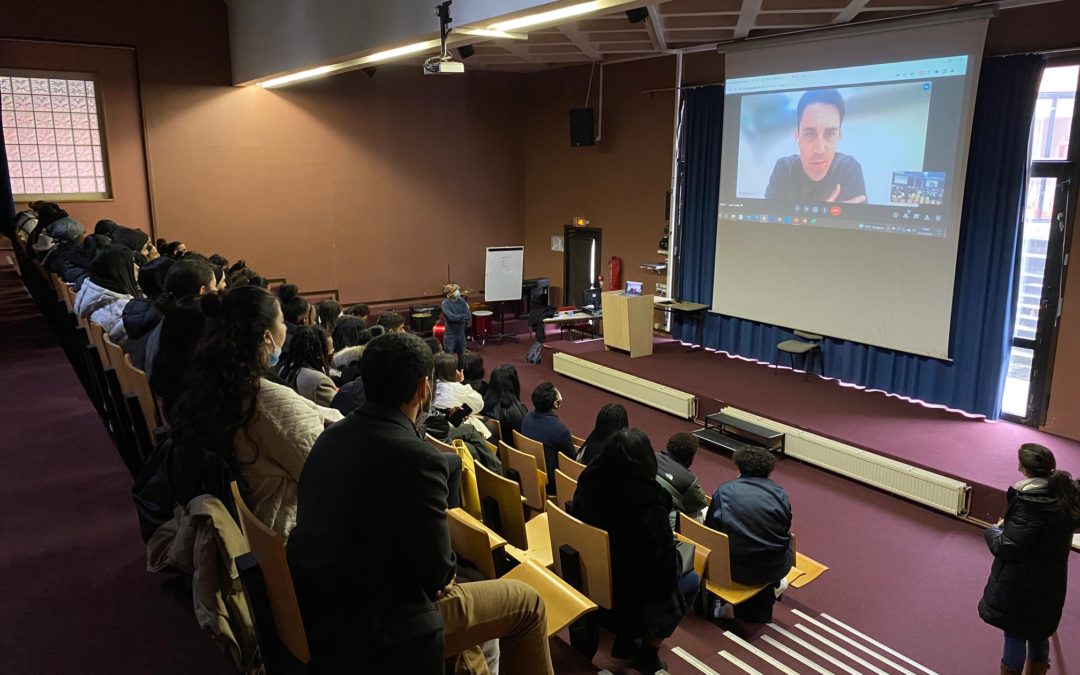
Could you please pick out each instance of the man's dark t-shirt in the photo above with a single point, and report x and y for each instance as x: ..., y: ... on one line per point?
x: 790, y: 182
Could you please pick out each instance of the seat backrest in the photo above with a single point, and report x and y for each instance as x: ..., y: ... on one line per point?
x: 141, y: 386
x: 439, y: 445
x: 533, y: 480
x: 591, y: 543
x: 578, y: 441
x: 506, y: 495
x: 471, y: 541
x: 97, y: 338
x: 813, y: 337
x: 565, y: 487
x: 495, y: 427
x: 269, y: 550
x: 534, y: 448
x: 115, y: 355
x: 718, y: 566
x: 470, y: 494
x: 570, y: 467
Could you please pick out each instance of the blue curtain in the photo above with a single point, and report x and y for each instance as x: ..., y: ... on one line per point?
x: 987, y: 259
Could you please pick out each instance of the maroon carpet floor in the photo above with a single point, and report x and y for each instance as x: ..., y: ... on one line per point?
x: 980, y: 453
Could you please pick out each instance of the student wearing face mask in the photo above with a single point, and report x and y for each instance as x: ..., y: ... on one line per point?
x: 455, y: 309
x: 230, y: 405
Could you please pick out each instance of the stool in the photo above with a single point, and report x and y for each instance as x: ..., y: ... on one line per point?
x: 483, y: 324
x: 806, y: 349
x: 421, y: 322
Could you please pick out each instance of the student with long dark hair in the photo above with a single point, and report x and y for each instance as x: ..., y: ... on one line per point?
x: 328, y: 313
x: 186, y: 277
x: 611, y: 418
x: 308, y: 368
x: 141, y: 315
x: 230, y: 406
x: 1026, y: 591
x: 618, y: 493
x: 503, y: 401
x: 111, y: 285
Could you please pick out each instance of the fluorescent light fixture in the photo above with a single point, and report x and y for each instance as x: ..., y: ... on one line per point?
x: 495, y: 34
x: 385, y: 55
x: 549, y: 16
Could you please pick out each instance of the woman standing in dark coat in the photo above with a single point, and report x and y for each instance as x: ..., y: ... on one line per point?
x: 1026, y: 590
x: 618, y: 493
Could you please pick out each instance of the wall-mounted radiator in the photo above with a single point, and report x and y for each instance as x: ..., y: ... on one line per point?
x: 920, y: 485
x: 678, y: 403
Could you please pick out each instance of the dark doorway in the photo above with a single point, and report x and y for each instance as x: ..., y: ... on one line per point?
x: 581, y: 263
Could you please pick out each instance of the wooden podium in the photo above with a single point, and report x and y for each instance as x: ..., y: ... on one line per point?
x: 628, y: 322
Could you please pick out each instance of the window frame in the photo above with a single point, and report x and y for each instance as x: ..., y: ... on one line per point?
x: 1066, y: 173
x: 103, y: 126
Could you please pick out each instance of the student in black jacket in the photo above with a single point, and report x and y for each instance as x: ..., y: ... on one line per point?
x: 370, y: 554
x: 1026, y: 590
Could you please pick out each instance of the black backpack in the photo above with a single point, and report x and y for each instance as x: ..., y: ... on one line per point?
x: 533, y: 355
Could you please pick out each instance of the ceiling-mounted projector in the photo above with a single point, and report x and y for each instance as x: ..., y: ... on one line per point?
x: 443, y: 64
x: 439, y: 67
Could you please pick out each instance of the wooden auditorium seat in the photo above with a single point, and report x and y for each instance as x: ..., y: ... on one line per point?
x: 533, y: 481
x: 570, y: 467
x: 277, y: 612
x: 534, y: 448
x: 582, y: 555
x: 565, y: 487
x: 504, y: 512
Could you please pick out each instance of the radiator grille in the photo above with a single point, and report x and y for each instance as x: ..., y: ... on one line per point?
x: 673, y: 401
x: 920, y: 485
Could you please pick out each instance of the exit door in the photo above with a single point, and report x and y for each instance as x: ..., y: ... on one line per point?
x: 581, y: 264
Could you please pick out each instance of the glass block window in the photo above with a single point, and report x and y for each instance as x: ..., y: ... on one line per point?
x: 53, y: 133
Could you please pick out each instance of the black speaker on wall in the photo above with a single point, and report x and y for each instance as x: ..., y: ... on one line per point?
x: 581, y: 127
x: 637, y: 15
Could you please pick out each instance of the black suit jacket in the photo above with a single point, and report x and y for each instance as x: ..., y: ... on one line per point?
x: 371, y: 546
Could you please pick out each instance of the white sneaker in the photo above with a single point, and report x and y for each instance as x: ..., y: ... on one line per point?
x: 779, y: 590
x: 723, y: 610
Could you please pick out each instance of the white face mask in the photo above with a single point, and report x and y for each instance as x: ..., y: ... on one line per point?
x: 455, y: 295
x: 275, y: 355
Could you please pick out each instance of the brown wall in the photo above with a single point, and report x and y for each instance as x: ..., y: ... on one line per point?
x: 368, y: 186
x: 117, y: 76
x: 1063, y: 414
x: 619, y: 184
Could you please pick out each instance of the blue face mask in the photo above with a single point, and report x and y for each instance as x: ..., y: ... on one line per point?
x: 274, y: 355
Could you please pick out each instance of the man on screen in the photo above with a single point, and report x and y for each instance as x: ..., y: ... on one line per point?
x: 818, y: 173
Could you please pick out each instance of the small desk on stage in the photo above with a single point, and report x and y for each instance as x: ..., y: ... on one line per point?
x: 689, y: 309
x: 575, y: 317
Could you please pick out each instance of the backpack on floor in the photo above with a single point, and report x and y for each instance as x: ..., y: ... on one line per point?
x: 533, y: 356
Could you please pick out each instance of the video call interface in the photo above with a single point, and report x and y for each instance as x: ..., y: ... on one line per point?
x: 870, y: 147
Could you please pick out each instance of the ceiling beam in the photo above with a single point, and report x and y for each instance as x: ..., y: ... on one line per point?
x: 580, y: 41
x: 854, y: 8
x: 655, y: 26
x: 747, y: 16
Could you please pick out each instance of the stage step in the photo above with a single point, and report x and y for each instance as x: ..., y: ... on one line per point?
x: 714, y: 438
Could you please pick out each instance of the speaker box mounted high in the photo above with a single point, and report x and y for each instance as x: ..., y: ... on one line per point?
x: 581, y: 127
x: 637, y: 15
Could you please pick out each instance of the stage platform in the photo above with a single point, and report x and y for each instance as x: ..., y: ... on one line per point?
x: 969, y: 449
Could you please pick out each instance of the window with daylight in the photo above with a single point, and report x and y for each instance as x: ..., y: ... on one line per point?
x: 53, y: 133
x: 1050, y: 207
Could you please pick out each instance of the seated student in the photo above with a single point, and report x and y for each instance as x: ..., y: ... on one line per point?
x: 451, y: 392
x: 230, y: 406
x: 674, y: 475
x: 111, y: 286
x: 242, y: 275
x: 434, y: 345
x: 68, y: 235
x: 618, y: 493
x: 755, y: 514
x: 307, y: 370
x: 105, y: 227
x: 543, y: 425
x: 392, y: 322
x: 347, y: 541
x: 172, y: 249
x: 39, y: 240
x: 360, y: 311
x: 503, y: 402
x: 76, y: 267
x: 296, y: 310
x: 472, y: 365
x: 186, y: 277
x: 137, y: 240
x: 328, y: 312
x: 611, y: 418
x: 142, y: 315
x: 348, y: 344
x: 180, y: 332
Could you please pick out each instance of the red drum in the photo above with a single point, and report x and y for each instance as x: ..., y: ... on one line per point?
x: 483, y: 323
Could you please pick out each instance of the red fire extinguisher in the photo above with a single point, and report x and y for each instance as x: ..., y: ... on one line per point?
x: 614, y: 273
